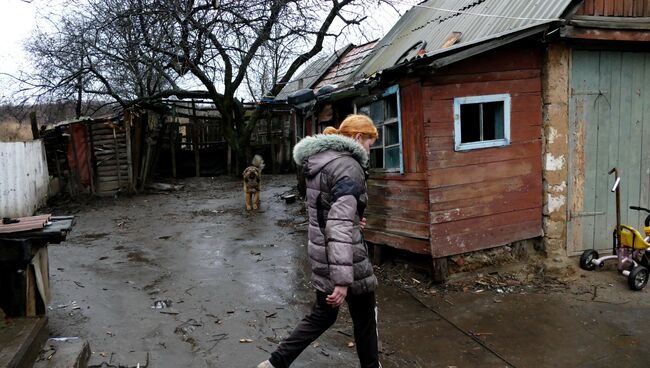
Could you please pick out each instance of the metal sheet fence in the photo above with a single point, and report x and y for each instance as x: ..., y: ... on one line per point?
x: 23, y: 178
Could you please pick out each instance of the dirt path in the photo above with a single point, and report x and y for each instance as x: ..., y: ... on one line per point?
x: 234, y: 283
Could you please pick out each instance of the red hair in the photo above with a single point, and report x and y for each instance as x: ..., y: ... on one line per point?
x: 353, y: 125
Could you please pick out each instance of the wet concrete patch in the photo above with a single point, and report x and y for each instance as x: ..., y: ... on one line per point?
x: 92, y: 236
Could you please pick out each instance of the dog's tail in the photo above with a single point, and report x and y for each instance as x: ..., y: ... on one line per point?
x: 258, y: 161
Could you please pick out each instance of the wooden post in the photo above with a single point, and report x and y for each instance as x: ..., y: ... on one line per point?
x: 30, y: 292
x: 377, y: 254
x: 92, y: 168
x: 172, y: 144
x: 76, y: 160
x: 195, y: 141
x: 32, y: 119
x: 440, y: 269
x: 129, y: 158
x: 229, y: 158
x: 117, y: 159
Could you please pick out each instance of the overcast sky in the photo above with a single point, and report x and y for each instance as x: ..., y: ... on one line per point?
x: 18, y: 18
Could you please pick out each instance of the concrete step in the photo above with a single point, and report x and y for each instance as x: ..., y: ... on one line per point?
x: 64, y: 352
x: 20, y: 340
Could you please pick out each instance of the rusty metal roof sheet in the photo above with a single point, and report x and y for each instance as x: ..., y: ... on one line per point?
x: 311, y: 74
x: 425, y: 28
x: 341, y: 71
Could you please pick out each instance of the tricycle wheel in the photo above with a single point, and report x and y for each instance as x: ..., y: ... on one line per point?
x: 586, y: 259
x: 638, y: 278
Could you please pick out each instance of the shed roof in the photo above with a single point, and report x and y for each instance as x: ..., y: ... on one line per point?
x: 426, y: 27
x: 341, y: 71
x: 311, y: 74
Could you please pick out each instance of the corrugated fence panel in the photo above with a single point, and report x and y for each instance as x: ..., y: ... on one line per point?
x: 23, y: 178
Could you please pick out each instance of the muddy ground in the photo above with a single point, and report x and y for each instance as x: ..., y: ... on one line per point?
x: 190, y: 279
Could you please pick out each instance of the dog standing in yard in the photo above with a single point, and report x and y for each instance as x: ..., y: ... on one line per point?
x: 253, y: 183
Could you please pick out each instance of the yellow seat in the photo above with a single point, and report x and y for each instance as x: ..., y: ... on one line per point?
x: 631, y: 238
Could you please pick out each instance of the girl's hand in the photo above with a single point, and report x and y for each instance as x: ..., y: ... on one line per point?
x: 338, y: 296
x: 362, y: 223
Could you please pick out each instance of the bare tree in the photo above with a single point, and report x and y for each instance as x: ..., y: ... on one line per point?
x: 135, y: 51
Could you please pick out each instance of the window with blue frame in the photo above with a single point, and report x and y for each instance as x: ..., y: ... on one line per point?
x: 386, y: 153
x: 481, y: 121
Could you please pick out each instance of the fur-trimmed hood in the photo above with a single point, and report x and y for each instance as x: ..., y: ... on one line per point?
x: 313, y: 145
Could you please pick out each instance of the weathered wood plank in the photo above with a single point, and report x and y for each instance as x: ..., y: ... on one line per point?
x: 487, y: 206
x: 514, y: 57
x: 477, y: 224
x: 448, y: 159
x: 609, y: 8
x: 605, y: 34
x: 481, y: 189
x: 451, y: 91
x: 632, y: 146
x: 396, y: 189
x: 411, y: 112
x: 399, y: 241
x: 390, y: 224
x: 412, y: 178
x: 645, y: 149
x: 599, y: 7
x: 485, y: 238
x: 398, y: 212
x: 618, y: 8
x: 30, y: 292
x: 487, y: 76
x: 418, y: 204
x: 628, y: 8
x: 439, y: 143
x: 638, y: 8
x: 603, y: 108
x: 489, y: 171
x: 21, y: 341
x: 589, y: 7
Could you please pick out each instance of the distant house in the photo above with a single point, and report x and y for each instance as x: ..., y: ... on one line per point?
x: 498, y: 123
x: 307, y: 100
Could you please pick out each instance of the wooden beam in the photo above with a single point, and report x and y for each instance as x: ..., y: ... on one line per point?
x: 605, y: 35
x: 586, y: 21
x: 440, y: 269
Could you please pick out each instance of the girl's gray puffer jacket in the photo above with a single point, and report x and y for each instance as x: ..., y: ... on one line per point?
x: 336, y: 199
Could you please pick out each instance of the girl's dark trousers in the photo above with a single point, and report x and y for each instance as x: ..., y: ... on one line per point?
x: 322, y: 316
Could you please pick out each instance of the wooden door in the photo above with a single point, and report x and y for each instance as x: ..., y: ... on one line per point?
x: 609, y: 117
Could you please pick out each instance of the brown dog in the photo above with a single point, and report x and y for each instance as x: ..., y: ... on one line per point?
x: 253, y: 183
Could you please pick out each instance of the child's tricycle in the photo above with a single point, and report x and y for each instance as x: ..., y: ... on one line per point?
x: 630, y: 248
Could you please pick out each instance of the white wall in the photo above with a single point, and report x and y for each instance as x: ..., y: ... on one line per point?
x: 23, y: 178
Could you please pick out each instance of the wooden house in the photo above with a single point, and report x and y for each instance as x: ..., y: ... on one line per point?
x: 498, y: 122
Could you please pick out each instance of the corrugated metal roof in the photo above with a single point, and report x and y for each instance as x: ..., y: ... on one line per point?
x: 347, y: 65
x: 433, y: 21
x: 311, y: 74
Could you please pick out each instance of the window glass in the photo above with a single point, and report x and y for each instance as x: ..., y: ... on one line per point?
x: 481, y: 121
x: 376, y: 158
x: 385, y: 152
x: 391, y: 132
x: 377, y: 112
x: 392, y: 157
x: 492, y: 120
x: 470, y: 123
x: 391, y: 106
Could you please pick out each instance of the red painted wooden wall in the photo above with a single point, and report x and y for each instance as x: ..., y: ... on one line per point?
x: 616, y: 8
x: 493, y: 196
x: 398, y: 212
